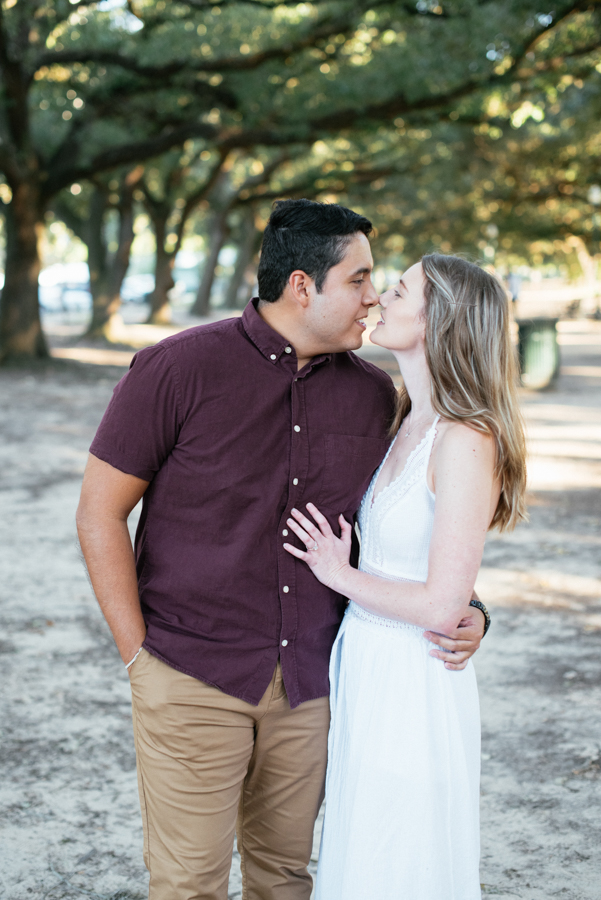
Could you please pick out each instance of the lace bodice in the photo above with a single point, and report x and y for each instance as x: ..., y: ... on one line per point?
x: 396, y: 526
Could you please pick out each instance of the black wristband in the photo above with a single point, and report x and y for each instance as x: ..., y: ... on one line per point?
x: 479, y: 605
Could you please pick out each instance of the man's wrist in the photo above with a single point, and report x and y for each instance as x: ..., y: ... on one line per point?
x: 479, y: 605
x: 133, y: 659
x: 130, y: 646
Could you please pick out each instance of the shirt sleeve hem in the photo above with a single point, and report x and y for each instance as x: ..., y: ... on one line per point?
x: 118, y: 461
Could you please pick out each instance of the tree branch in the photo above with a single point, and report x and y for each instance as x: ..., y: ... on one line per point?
x: 327, y: 27
x: 8, y: 164
x: 127, y: 153
x: 16, y: 90
x: 308, y: 184
x: 398, y: 105
x: 199, y: 195
x: 263, y: 4
x: 556, y: 61
x: 76, y: 223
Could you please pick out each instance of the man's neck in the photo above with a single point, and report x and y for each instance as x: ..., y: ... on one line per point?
x: 281, y: 320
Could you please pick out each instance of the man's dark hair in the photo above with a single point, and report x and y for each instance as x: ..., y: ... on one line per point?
x: 306, y: 235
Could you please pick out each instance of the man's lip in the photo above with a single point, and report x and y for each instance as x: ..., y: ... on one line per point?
x: 361, y: 322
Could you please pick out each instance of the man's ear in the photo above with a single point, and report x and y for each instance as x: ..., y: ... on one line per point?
x: 300, y: 287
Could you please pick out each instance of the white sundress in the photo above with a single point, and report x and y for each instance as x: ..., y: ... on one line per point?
x: 402, y: 785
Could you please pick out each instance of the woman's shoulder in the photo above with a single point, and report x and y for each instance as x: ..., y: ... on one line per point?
x: 461, y: 456
x: 461, y: 441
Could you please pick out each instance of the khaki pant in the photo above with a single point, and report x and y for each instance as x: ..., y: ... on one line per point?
x: 209, y: 764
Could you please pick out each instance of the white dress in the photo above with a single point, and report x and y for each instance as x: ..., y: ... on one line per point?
x: 402, y: 786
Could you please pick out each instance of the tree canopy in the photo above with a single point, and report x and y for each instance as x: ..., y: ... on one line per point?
x: 435, y: 115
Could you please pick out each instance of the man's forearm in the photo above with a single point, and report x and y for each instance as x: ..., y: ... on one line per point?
x: 107, y: 550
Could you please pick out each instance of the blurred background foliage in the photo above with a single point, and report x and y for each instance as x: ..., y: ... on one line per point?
x: 150, y: 138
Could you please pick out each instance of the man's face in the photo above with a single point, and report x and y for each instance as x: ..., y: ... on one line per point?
x: 337, y: 315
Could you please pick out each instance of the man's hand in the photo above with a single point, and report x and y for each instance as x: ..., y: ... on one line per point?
x: 461, y: 644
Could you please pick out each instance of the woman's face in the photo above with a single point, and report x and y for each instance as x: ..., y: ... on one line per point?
x: 402, y: 324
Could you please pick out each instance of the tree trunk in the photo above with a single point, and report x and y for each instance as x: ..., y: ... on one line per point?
x: 21, y: 335
x: 239, y: 288
x: 218, y: 237
x: 160, y: 309
x: 106, y: 275
x: 589, y: 305
x: 92, y: 233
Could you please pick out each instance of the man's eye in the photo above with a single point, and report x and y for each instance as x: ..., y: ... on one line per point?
x: 360, y: 281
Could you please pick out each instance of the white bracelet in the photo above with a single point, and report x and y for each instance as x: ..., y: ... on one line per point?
x: 134, y: 659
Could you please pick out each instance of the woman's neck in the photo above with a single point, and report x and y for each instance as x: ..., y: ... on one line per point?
x: 417, y: 381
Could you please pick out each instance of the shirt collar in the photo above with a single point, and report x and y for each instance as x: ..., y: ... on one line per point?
x: 271, y: 344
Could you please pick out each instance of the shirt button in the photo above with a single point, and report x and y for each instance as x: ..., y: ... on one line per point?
x: 287, y: 349
x: 285, y: 532
x: 295, y: 481
x: 273, y: 356
x: 297, y: 427
x: 285, y: 588
x: 284, y: 643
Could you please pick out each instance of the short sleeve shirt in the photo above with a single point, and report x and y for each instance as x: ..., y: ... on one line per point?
x: 230, y: 437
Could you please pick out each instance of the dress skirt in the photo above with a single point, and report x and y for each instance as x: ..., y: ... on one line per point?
x: 402, y: 785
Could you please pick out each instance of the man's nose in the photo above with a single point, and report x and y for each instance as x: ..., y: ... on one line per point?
x: 371, y: 298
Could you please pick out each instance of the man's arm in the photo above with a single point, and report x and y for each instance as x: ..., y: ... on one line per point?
x: 107, y: 498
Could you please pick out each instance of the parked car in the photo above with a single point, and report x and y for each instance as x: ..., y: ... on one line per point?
x: 136, y: 288
x: 65, y: 286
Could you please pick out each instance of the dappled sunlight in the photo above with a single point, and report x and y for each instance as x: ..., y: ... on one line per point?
x: 94, y: 355
x: 546, y: 586
x: 554, y: 559
x: 555, y: 474
x: 124, y: 334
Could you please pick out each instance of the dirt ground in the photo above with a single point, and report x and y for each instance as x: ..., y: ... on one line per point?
x: 69, y: 816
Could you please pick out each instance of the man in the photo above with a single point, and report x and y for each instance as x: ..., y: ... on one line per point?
x: 223, y: 429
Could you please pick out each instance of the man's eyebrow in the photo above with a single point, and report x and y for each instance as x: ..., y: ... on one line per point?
x: 363, y: 271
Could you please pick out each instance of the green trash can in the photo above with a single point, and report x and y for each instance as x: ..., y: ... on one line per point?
x: 538, y: 352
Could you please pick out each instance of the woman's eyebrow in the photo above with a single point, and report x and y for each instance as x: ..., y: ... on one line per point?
x: 402, y: 284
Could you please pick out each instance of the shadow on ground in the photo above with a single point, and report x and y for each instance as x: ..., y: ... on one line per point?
x: 69, y: 819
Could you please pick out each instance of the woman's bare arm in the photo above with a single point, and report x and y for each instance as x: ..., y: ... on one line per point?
x: 466, y: 496
x: 107, y: 498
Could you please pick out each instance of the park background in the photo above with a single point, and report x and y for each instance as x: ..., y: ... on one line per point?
x: 142, y: 144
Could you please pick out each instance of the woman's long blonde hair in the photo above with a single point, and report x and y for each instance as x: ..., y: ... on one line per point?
x: 473, y: 367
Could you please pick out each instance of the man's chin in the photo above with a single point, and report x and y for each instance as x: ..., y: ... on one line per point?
x: 351, y: 341
x: 355, y: 343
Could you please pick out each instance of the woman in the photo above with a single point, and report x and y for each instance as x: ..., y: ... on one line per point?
x: 402, y: 787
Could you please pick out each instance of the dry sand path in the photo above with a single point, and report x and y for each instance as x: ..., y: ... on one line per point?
x: 69, y: 819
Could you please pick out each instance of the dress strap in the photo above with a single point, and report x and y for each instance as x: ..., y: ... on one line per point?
x: 431, y: 438
x: 432, y: 432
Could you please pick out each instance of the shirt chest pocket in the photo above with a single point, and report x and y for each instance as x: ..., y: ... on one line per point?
x: 348, y: 465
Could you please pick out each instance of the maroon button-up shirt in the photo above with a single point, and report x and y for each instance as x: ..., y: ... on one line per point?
x: 231, y: 436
